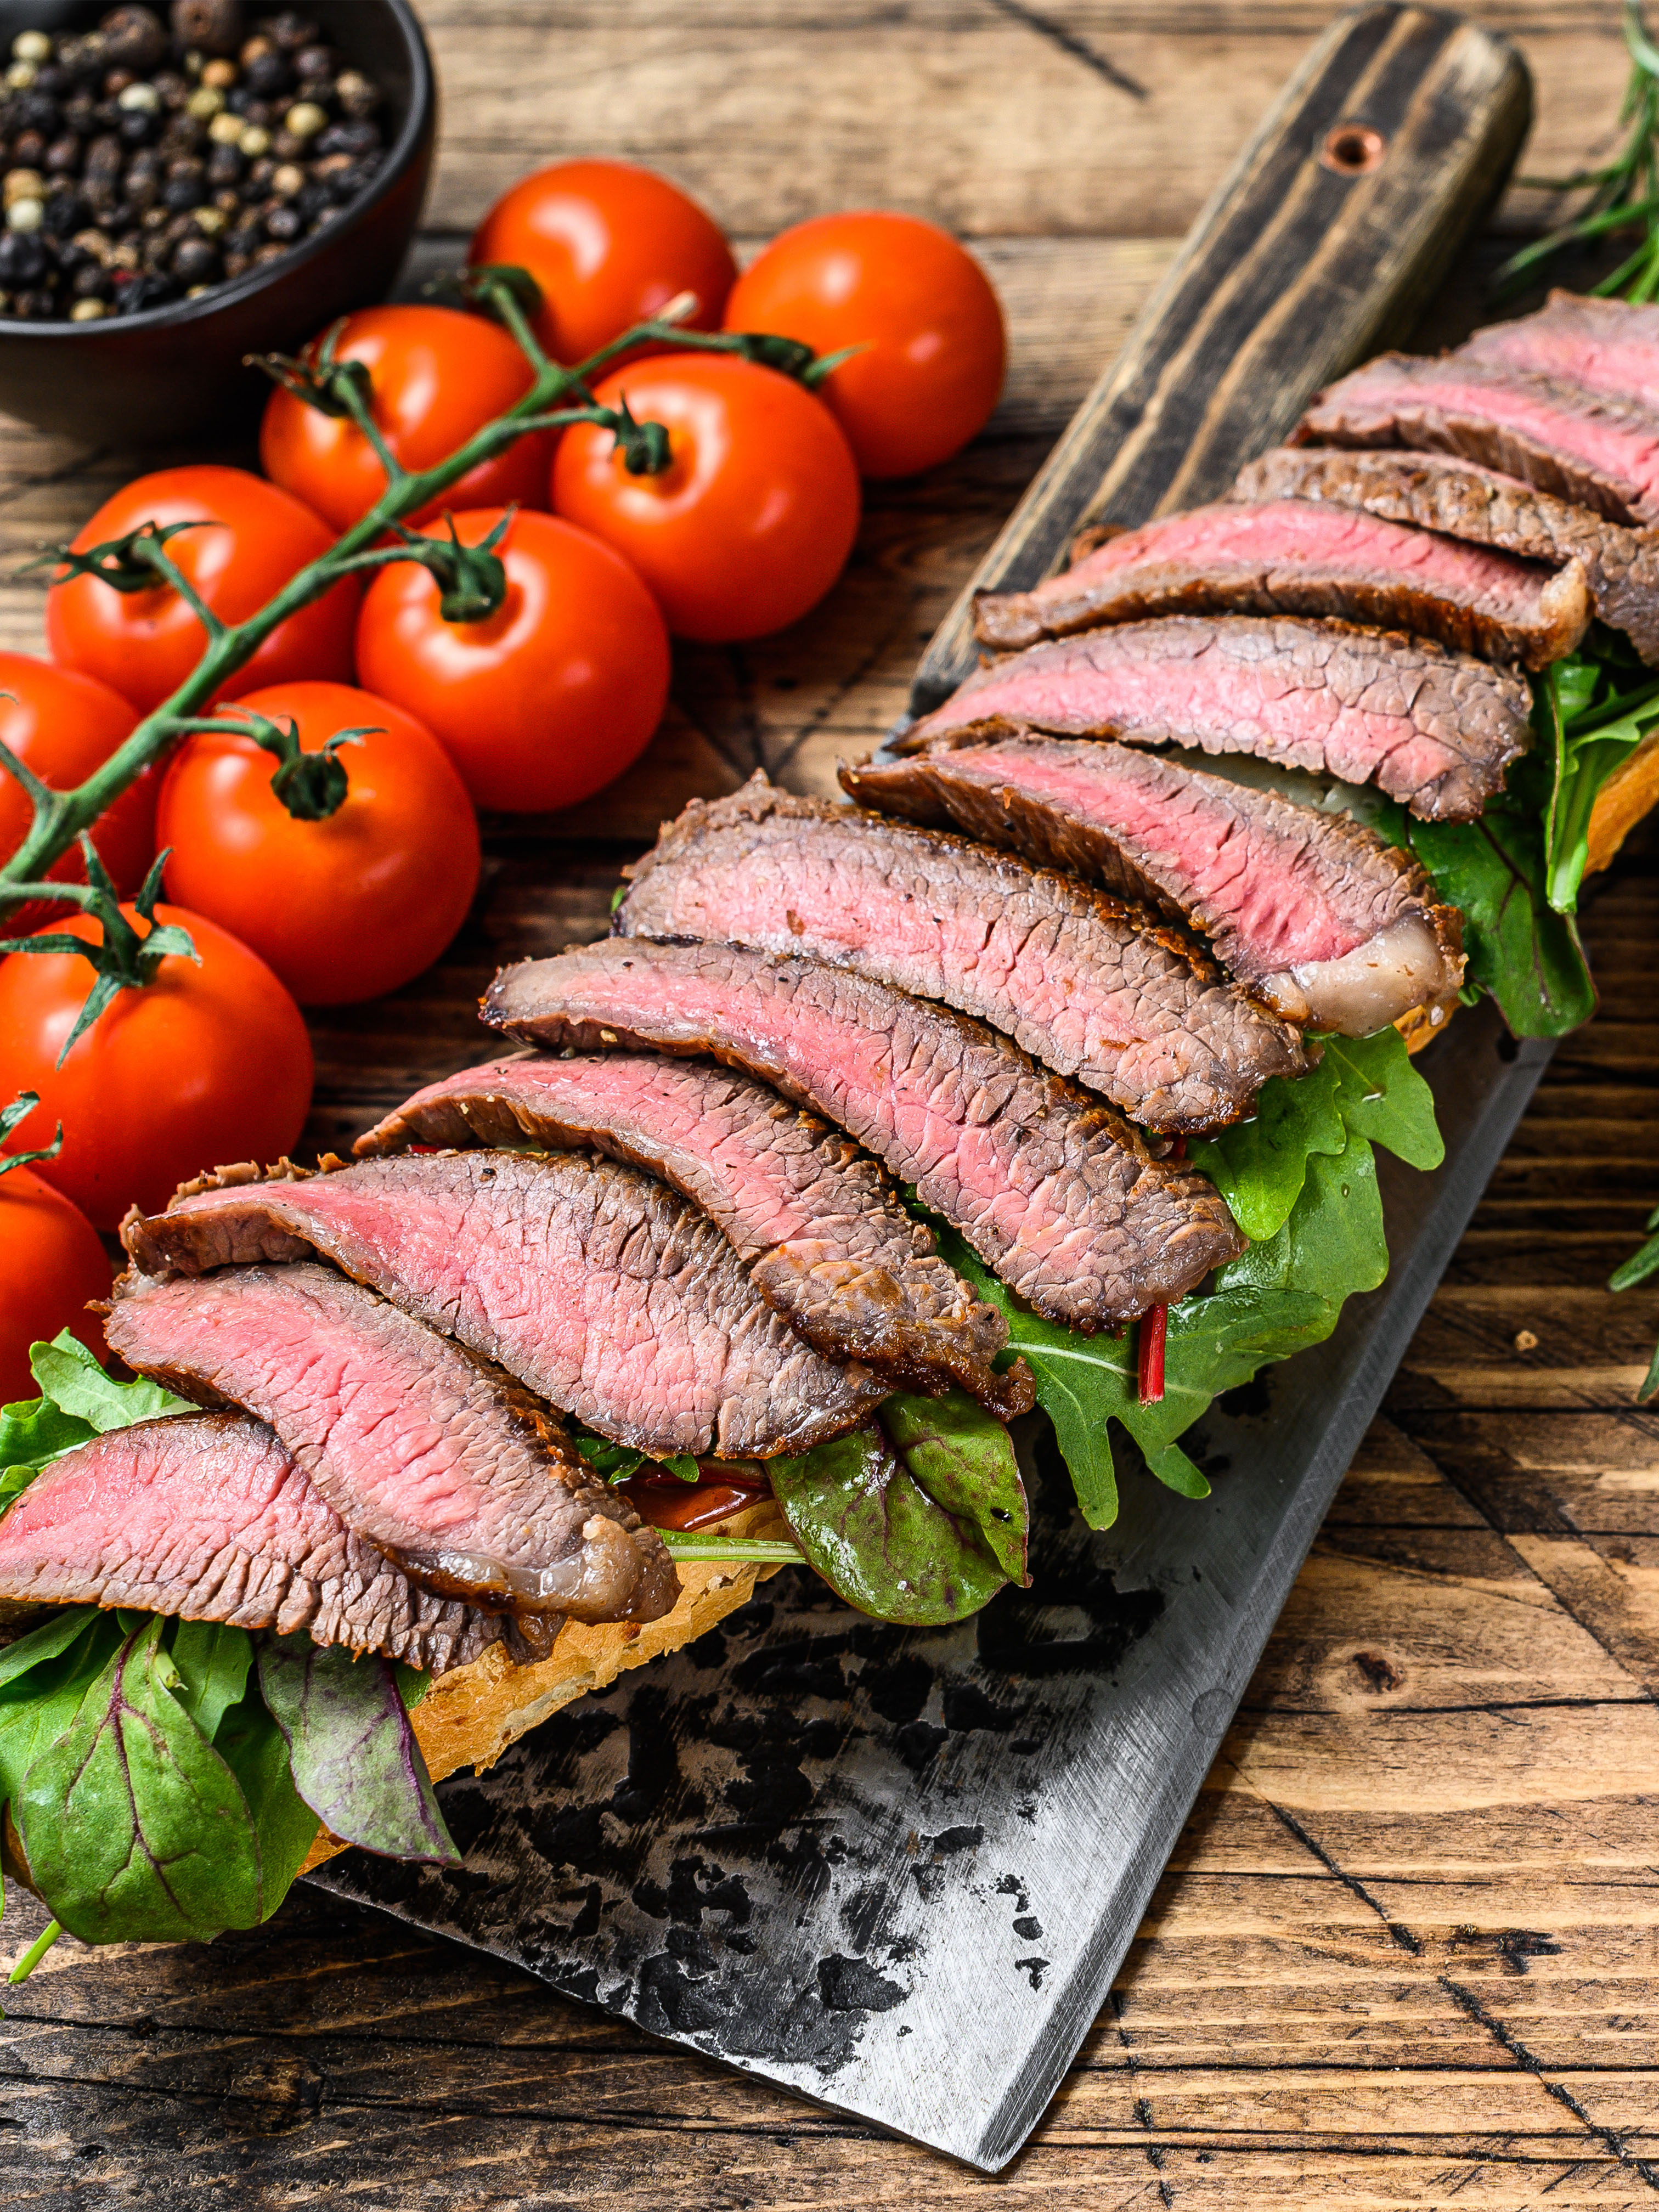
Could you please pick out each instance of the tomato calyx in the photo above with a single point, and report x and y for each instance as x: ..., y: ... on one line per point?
x: 481, y: 287
x: 18, y: 1111
x: 472, y: 579
x: 311, y: 786
x: 123, y: 961
x: 341, y: 389
x: 136, y: 562
x: 643, y: 446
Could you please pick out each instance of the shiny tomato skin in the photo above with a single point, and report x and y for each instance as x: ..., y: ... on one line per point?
x: 204, y: 1065
x: 918, y: 304
x: 546, y: 702
x: 63, y: 725
x: 438, y: 377
x: 340, y: 910
x: 610, y: 245
x: 50, y: 1265
x: 752, y: 520
x: 144, y: 644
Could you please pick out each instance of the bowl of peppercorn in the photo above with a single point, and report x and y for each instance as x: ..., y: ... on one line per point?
x: 182, y: 186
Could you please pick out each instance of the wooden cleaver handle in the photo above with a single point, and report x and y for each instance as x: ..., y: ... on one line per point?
x: 1319, y: 248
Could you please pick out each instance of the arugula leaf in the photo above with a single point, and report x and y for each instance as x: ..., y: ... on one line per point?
x: 133, y: 1827
x: 69, y: 1376
x: 1642, y: 1265
x: 351, y: 1750
x: 919, y: 1517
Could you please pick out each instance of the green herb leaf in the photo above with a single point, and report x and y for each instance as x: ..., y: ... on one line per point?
x: 134, y: 1827
x: 1641, y: 1263
x: 617, y: 1463
x: 69, y: 1376
x: 213, y: 1663
x: 351, y: 1750
x: 710, y: 1544
x: 920, y: 1517
x: 44, y: 1678
x: 256, y: 1751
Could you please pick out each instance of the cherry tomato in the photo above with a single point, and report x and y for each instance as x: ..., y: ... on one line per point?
x: 143, y: 644
x: 921, y: 309
x: 63, y: 726
x: 202, y: 1067
x: 610, y: 244
x: 438, y: 377
x: 50, y: 1264
x: 753, y: 519
x: 544, y: 702
x: 346, y: 907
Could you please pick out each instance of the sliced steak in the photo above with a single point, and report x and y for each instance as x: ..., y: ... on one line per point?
x: 1434, y: 729
x: 1483, y: 508
x: 819, y: 1226
x: 463, y: 1478
x: 600, y: 1290
x: 1091, y: 988
x: 1318, y: 916
x: 205, y: 1516
x: 1599, y: 452
x: 1047, y: 1185
x: 1601, y: 345
x: 1294, y: 556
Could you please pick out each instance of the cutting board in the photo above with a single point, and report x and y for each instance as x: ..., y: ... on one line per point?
x: 896, y: 1869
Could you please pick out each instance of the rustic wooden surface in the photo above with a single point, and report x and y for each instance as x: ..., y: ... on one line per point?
x: 1405, y: 1952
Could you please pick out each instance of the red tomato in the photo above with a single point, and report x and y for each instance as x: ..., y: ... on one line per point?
x: 922, y: 308
x: 63, y: 726
x: 50, y: 1264
x: 547, y: 701
x: 143, y: 644
x: 344, y: 908
x: 610, y: 244
x: 439, y: 376
x: 753, y: 519
x: 204, y: 1065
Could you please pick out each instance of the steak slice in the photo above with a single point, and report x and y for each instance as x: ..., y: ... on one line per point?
x: 1090, y: 987
x: 1047, y: 1185
x: 1599, y: 452
x: 1601, y: 345
x: 1434, y: 729
x: 461, y: 1478
x: 814, y: 1219
x: 1483, y: 508
x: 1316, y: 915
x: 205, y: 1516
x: 600, y: 1290
x: 1294, y: 557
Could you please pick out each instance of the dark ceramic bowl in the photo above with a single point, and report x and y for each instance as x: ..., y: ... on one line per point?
x: 172, y: 373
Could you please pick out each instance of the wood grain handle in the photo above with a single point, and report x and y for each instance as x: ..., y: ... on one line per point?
x: 1320, y: 246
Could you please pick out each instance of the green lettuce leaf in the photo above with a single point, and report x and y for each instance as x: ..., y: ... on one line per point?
x: 133, y: 1827
x: 73, y: 1380
x: 351, y: 1750
x: 1591, y: 711
x: 918, y: 1517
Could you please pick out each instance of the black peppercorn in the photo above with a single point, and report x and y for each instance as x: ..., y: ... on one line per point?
x: 133, y: 38
x: 213, y: 27
x: 196, y: 261
x: 284, y: 224
x: 181, y: 194
x: 22, y: 258
x: 34, y: 306
x: 136, y: 126
x: 183, y: 135
x: 28, y: 151
x: 64, y: 155
x: 311, y: 63
x: 65, y: 212
x: 151, y: 289
x: 291, y: 32
x: 89, y: 281
x: 268, y: 77
x: 37, y: 111
x: 224, y: 166
x: 353, y: 138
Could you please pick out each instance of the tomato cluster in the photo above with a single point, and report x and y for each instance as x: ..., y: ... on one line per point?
x: 740, y: 523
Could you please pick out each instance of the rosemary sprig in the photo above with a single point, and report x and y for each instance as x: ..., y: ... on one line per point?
x: 1623, y: 196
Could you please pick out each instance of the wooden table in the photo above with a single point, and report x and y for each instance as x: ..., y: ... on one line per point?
x: 1405, y: 1952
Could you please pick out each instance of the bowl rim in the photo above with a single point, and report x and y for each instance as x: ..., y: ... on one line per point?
x: 416, y: 126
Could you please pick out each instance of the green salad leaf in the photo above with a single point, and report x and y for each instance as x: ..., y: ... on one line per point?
x: 73, y: 1381
x: 1592, y: 710
x: 615, y: 1462
x: 1641, y: 1267
x: 920, y: 1516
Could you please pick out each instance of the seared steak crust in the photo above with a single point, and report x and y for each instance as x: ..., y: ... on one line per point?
x: 1483, y: 508
x: 205, y: 1516
x: 819, y: 1226
x: 1293, y: 557
x: 1048, y: 1186
x: 1599, y: 345
x: 1317, y: 914
x: 1091, y: 988
x: 601, y: 1290
x: 461, y: 1478
x: 1599, y: 452
x: 1434, y: 729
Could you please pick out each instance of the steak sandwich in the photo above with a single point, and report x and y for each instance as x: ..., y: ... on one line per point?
x: 1041, y: 1084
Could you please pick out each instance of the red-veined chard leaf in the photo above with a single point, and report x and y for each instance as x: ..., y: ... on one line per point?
x: 352, y: 1752
x: 920, y: 1517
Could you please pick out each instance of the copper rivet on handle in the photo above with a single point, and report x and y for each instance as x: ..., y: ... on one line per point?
x: 1353, y: 149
